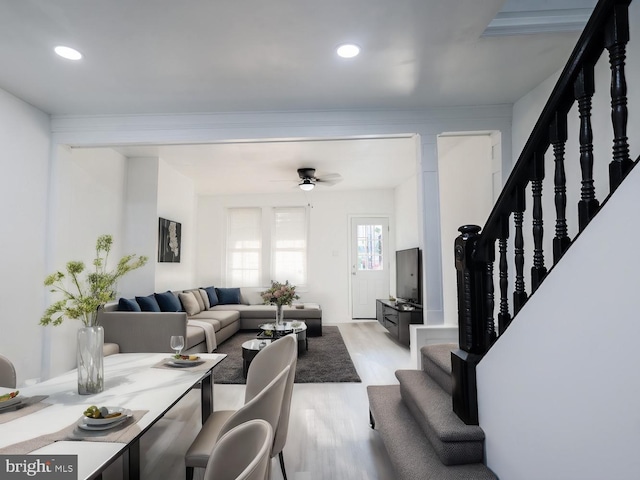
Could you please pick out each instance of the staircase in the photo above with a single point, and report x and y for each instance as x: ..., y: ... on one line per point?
x: 425, y: 439
x: 548, y: 360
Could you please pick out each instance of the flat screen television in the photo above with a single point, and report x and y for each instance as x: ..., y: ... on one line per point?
x: 409, y: 276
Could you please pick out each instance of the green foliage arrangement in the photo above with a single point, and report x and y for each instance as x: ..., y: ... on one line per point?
x: 280, y: 294
x: 82, y: 299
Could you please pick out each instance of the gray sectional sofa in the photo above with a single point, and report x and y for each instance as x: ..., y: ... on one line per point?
x: 202, y: 325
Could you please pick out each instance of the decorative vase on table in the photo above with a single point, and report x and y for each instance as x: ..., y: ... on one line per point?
x: 279, y: 294
x: 85, y: 295
x: 279, y: 315
x: 90, y: 359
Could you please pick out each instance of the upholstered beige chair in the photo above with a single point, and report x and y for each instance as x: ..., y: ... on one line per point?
x: 7, y: 373
x: 275, y: 356
x: 243, y: 453
x: 266, y: 405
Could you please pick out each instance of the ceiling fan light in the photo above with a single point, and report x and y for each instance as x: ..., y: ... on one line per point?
x: 306, y: 185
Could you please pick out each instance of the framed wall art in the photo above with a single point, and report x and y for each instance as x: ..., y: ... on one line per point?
x: 169, y: 240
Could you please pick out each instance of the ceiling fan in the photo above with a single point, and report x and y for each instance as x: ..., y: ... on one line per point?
x: 308, y: 179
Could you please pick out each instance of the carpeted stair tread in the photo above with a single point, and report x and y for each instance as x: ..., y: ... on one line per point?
x: 431, y: 407
x: 436, y: 361
x: 410, y: 452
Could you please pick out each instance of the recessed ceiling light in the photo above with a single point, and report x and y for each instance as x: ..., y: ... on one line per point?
x: 68, y: 53
x: 348, y: 50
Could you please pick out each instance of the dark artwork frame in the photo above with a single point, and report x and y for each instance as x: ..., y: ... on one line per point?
x: 169, y: 240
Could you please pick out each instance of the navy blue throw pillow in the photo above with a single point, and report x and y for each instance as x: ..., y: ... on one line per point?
x: 148, y: 304
x: 213, y: 297
x: 128, y: 305
x: 228, y: 296
x: 168, y: 302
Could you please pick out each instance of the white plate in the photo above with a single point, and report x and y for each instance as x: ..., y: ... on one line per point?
x: 185, y: 361
x: 123, y: 418
x: 174, y: 362
x: 12, y: 402
x: 105, y: 421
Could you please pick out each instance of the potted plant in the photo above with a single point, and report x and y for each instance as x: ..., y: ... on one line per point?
x: 279, y: 294
x: 85, y: 294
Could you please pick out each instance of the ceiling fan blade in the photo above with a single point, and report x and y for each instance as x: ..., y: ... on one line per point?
x: 330, y: 179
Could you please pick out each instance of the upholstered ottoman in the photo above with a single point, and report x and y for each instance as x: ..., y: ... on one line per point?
x: 310, y: 313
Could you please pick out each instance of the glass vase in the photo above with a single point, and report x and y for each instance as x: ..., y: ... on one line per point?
x: 89, y: 360
x: 279, y: 315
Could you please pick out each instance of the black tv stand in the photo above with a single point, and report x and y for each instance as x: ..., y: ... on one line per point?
x: 396, y: 318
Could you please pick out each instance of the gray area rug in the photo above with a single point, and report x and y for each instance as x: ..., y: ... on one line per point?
x: 326, y: 361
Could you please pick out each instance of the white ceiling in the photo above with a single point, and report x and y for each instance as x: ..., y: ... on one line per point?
x: 165, y: 56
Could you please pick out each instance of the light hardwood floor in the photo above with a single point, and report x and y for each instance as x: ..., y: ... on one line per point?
x: 329, y: 434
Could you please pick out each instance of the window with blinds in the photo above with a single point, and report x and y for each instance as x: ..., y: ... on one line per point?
x: 289, y: 245
x: 266, y: 244
x: 244, y: 247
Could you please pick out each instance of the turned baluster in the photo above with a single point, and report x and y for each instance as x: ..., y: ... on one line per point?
x: 558, y: 138
x: 538, y: 271
x: 519, y: 294
x: 504, y: 318
x: 583, y: 88
x: 616, y: 39
x: 490, y: 327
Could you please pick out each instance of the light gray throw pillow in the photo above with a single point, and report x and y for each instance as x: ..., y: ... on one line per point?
x: 189, y: 302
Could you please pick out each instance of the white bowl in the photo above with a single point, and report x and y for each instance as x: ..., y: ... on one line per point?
x: 105, y: 421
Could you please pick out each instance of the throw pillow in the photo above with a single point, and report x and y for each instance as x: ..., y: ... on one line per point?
x: 213, y: 296
x: 228, y: 296
x: 189, y: 302
x: 168, y: 302
x: 250, y: 297
x: 196, y: 295
x: 128, y: 305
x: 205, y: 299
x: 148, y: 304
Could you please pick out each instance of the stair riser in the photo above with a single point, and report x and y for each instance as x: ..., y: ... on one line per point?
x: 449, y: 453
x: 436, y: 362
x: 441, y: 377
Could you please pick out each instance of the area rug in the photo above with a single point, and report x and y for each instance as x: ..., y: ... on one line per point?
x: 326, y: 361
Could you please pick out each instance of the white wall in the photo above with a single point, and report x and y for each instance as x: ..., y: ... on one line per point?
x: 407, y: 227
x: 329, y: 271
x: 407, y: 224
x: 24, y: 159
x: 558, y: 392
x: 141, y: 224
x: 177, y: 201
x: 466, y: 197
x: 87, y: 201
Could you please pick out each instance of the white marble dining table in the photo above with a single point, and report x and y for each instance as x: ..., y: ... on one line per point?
x: 135, y: 381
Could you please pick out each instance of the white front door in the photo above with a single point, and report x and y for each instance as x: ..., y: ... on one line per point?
x: 369, y: 264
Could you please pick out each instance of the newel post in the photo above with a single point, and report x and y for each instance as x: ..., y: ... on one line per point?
x: 472, y: 334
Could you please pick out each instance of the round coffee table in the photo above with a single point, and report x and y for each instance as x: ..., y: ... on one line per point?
x: 285, y: 328
x: 250, y: 349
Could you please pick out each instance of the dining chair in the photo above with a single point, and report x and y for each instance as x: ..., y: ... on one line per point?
x: 273, y: 357
x: 266, y: 405
x: 243, y: 453
x: 7, y: 373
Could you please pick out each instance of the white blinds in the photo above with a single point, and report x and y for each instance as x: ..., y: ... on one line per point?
x: 289, y: 245
x: 244, y: 247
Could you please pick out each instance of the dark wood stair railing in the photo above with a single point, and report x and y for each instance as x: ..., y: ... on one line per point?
x: 475, y: 249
